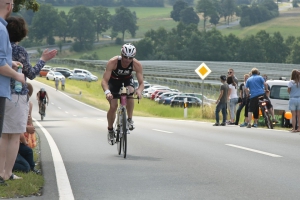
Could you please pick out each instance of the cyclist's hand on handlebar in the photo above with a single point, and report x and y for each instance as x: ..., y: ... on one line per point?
x: 138, y: 94
x: 109, y: 96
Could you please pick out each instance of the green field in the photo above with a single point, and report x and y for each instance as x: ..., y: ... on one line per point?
x: 103, y: 52
x: 287, y: 23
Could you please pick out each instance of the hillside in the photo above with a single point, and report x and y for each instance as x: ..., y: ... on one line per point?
x: 288, y: 23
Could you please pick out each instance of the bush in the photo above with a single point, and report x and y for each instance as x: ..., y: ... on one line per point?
x: 119, y: 41
x: 86, y: 56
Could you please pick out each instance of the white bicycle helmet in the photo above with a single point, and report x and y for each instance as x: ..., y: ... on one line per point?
x: 42, y: 89
x: 128, y: 50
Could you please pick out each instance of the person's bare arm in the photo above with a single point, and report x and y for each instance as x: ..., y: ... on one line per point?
x: 111, y: 64
x: 139, y: 75
x: 220, y: 96
x: 229, y: 92
x: 6, y: 70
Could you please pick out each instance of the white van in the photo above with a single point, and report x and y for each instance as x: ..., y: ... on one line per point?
x: 279, y: 95
x: 84, y: 71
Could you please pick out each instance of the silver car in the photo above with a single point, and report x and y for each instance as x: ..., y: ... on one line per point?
x: 80, y: 77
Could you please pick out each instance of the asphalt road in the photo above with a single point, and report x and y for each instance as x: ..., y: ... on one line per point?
x: 167, y: 159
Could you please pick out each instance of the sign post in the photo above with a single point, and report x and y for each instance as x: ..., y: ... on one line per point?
x: 203, y: 71
x: 185, y: 105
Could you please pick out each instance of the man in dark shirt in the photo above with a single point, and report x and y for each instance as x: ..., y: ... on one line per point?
x: 222, y: 101
x: 119, y: 70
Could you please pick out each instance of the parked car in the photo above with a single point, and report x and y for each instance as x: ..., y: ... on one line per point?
x: 205, y: 99
x: 47, y: 67
x: 80, y: 77
x: 54, y: 75
x: 160, y: 99
x: 84, y: 71
x: 191, y: 101
x: 153, y: 88
x: 44, y: 72
x: 167, y: 100
x: 156, y: 92
x: 65, y: 73
x: 146, y: 84
x: 279, y: 96
x: 56, y: 69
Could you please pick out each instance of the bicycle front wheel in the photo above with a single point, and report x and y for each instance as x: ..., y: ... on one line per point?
x: 119, y: 142
x: 42, y: 112
x: 124, y: 135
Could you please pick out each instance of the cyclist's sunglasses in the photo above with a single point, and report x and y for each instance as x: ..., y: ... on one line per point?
x: 126, y: 57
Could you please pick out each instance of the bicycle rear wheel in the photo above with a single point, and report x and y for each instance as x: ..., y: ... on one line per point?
x: 124, y: 135
x: 268, y: 121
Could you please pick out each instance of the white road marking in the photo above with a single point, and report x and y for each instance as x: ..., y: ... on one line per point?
x: 100, y: 119
x: 253, y: 150
x: 74, y: 115
x: 162, y: 131
x: 66, y: 112
x: 59, y: 107
x: 52, y: 103
x: 64, y: 187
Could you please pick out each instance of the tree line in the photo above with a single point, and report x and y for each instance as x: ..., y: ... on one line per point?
x: 81, y: 23
x: 144, y: 3
x: 186, y: 42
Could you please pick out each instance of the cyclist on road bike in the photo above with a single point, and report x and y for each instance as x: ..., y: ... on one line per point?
x: 40, y: 96
x: 119, y: 70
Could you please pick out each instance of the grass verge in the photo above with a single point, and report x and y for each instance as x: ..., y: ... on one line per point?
x: 30, y: 185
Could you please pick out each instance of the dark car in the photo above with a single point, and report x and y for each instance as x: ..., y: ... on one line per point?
x: 191, y: 101
x: 161, y: 98
x: 167, y: 101
x: 65, y: 73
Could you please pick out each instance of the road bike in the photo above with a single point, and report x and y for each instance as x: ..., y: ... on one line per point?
x: 262, y: 102
x: 43, y: 109
x: 121, y: 124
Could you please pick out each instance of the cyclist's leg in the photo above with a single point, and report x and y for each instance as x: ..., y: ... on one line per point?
x: 130, y: 103
x: 129, y: 83
x: 40, y: 105
x: 111, y: 113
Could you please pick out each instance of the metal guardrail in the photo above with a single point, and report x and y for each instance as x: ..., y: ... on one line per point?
x: 186, y: 69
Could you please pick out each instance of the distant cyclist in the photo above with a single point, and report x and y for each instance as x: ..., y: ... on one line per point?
x: 40, y: 97
x: 119, y: 70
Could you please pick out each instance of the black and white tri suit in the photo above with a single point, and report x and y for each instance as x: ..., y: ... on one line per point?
x: 120, y: 75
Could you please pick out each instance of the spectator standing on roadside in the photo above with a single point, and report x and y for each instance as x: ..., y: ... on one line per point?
x: 25, y: 161
x: 257, y: 86
x: 56, y: 83
x: 7, y: 141
x: 232, y: 98
x: 16, y: 109
x: 294, y: 102
x: 243, y: 102
x: 231, y: 74
x: 222, y: 102
x: 63, y: 81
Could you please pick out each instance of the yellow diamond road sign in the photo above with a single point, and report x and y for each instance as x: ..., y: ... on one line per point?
x: 203, y: 71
